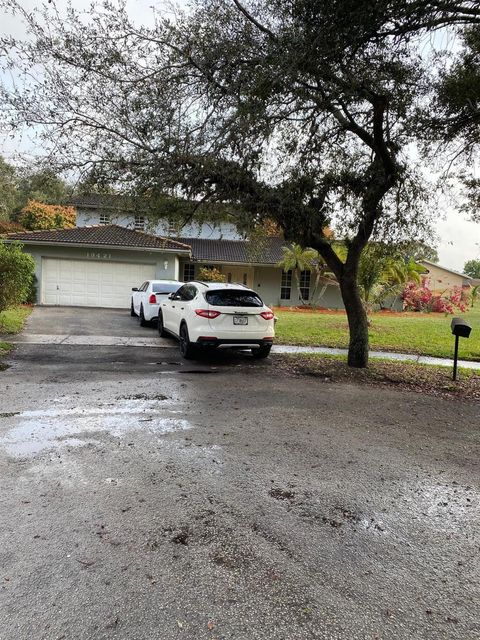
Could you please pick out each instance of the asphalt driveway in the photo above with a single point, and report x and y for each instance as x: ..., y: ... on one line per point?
x: 85, y: 321
x: 147, y: 498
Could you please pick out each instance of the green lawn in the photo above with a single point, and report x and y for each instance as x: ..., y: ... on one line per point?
x: 12, y: 320
x: 419, y: 333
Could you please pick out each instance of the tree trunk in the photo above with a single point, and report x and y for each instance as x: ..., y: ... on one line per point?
x: 357, y: 322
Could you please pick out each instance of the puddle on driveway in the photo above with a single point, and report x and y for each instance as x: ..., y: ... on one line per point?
x: 39, y: 430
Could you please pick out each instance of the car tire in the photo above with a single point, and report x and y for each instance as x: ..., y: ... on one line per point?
x: 187, y: 349
x: 132, y: 310
x: 161, y: 330
x: 143, y: 322
x: 261, y: 352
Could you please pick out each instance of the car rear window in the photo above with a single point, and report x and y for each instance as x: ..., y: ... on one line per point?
x: 233, y: 298
x: 160, y: 287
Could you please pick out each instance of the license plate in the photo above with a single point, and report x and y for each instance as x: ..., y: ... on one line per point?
x: 240, y: 320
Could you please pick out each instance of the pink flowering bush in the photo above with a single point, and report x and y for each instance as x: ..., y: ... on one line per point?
x: 421, y: 298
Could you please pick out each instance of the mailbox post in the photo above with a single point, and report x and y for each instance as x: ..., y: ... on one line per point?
x: 460, y: 329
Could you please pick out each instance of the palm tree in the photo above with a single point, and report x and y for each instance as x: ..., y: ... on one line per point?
x: 297, y: 259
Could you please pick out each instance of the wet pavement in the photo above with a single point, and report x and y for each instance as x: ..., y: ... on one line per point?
x: 147, y: 498
x: 115, y: 327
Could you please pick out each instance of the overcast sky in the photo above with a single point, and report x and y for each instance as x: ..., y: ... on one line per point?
x: 459, y: 239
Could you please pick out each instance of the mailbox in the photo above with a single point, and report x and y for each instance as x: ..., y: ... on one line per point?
x: 460, y: 328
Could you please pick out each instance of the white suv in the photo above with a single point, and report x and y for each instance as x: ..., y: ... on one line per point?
x: 212, y: 314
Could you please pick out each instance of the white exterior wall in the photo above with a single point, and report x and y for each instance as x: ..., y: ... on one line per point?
x: 158, y: 260
x: 220, y: 231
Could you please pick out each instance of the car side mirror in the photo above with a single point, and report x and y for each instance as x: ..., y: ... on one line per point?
x: 134, y: 288
x: 171, y: 296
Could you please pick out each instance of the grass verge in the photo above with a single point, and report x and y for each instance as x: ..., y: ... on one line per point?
x: 408, y: 376
x: 418, y: 333
x: 13, y: 319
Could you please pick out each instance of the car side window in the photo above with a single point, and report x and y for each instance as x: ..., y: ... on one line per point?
x: 180, y: 294
x: 190, y: 292
x: 143, y: 287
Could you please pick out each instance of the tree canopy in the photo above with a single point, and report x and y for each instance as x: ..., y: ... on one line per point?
x: 472, y: 268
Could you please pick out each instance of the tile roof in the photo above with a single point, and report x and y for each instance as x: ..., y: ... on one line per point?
x: 267, y: 252
x: 106, y: 201
x: 98, y: 235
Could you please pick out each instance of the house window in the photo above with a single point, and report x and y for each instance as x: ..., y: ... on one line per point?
x: 304, y: 285
x: 188, y: 272
x: 104, y: 218
x: 172, y: 227
x: 286, y: 286
x: 229, y: 277
x: 139, y: 222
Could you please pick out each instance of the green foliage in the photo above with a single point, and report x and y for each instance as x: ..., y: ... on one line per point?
x: 475, y: 294
x: 211, y: 274
x: 297, y: 259
x: 31, y: 297
x: 13, y: 319
x: 472, y: 268
x: 8, y: 189
x: 16, y: 273
x: 42, y: 185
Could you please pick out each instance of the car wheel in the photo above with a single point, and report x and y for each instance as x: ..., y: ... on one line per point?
x: 143, y: 322
x: 261, y: 352
x: 161, y: 329
x: 132, y: 310
x: 187, y: 349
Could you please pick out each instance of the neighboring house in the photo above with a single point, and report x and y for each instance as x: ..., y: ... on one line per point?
x: 442, y: 279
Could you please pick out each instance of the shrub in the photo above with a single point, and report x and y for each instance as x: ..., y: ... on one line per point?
x: 211, y: 274
x: 16, y: 274
x: 31, y: 297
x: 6, y: 226
x: 421, y: 298
x: 38, y: 215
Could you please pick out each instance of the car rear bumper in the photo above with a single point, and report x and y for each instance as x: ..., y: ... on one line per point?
x: 232, y: 343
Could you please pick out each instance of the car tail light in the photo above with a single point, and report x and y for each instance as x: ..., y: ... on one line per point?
x: 267, y: 315
x: 206, y: 313
x: 152, y: 299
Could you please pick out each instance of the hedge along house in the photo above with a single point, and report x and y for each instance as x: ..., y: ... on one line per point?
x: 98, y: 266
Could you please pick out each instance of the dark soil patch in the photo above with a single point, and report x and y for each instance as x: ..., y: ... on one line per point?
x: 143, y: 396
x: 433, y: 380
x: 281, y: 494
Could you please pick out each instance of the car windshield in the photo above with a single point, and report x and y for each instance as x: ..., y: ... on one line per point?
x: 165, y: 287
x: 233, y: 298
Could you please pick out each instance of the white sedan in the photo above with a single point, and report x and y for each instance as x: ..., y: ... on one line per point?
x: 217, y: 315
x: 147, y: 298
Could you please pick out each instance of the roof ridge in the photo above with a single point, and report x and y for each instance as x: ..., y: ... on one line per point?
x: 152, y: 235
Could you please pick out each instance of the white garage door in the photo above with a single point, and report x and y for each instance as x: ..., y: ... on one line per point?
x: 90, y: 283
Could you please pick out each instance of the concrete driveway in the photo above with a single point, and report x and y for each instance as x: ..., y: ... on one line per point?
x: 147, y: 498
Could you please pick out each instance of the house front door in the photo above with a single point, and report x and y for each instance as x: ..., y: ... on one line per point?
x: 240, y: 275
